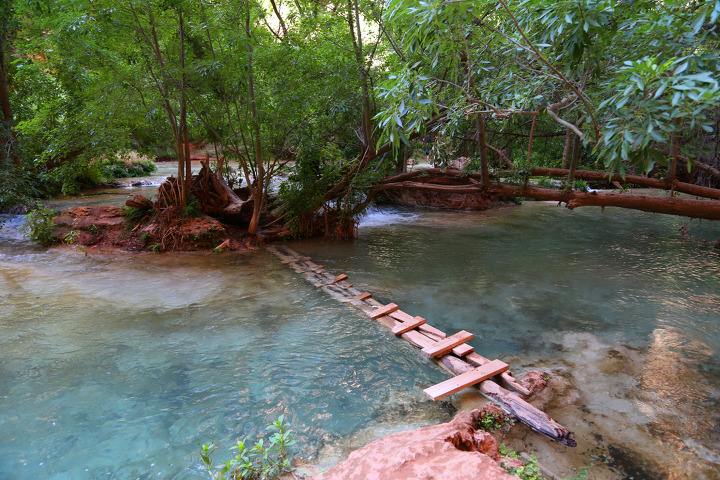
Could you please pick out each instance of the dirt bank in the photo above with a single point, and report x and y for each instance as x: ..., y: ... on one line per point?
x: 111, y: 228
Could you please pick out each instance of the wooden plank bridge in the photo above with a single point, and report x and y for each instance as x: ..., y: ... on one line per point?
x: 492, y: 378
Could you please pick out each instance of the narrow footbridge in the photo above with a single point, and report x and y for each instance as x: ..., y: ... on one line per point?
x: 491, y: 377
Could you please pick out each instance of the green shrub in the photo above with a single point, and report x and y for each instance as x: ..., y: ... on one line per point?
x: 70, y: 237
x: 580, y: 186
x: 490, y: 422
x: 39, y: 225
x: 262, y: 461
x: 133, y: 215
x: 546, y: 182
x: 529, y: 471
x: 192, y: 207
x: 128, y: 166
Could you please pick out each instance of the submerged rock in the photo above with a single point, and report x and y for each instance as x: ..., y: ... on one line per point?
x: 450, y: 451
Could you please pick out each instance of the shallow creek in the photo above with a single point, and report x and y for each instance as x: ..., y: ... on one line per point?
x: 114, y: 366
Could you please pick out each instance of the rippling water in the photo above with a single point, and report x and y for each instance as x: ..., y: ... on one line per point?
x: 115, y: 366
x: 620, y: 303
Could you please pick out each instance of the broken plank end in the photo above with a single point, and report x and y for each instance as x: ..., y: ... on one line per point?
x: 363, y: 296
x: 463, y: 349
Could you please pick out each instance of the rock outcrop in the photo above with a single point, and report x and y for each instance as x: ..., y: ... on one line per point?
x: 450, y: 451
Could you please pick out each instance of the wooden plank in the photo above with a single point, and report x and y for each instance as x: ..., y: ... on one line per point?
x: 340, y: 278
x: 353, y: 291
x: 418, y: 339
x: 407, y: 326
x: 506, y: 378
x: 462, y: 350
x: 427, y: 328
x: 444, y: 346
x: 425, y: 337
x: 299, y: 259
x: 379, y: 312
x: 467, y: 379
x: 386, y: 321
x: 363, y: 296
x: 402, y: 316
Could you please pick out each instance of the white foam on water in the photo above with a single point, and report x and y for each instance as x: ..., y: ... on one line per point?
x: 381, y: 217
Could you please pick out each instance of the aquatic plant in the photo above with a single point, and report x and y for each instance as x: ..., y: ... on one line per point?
x: 263, y: 461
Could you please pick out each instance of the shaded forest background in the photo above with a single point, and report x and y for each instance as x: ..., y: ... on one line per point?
x: 336, y: 96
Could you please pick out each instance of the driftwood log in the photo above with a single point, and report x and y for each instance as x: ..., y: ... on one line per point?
x: 510, y: 402
x: 217, y: 198
x: 139, y: 201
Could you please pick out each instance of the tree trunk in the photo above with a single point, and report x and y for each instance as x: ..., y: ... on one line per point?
x: 5, y: 103
x: 257, y: 190
x: 4, y: 93
x: 567, y: 149
x: 530, y: 140
x: 356, y: 33
x: 484, y: 167
x: 185, y: 144
x: 708, y: 209
x: 218, y: 199
x: 454, y: 182
x: 672, y: 167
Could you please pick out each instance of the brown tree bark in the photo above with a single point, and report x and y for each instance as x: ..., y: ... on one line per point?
x: 4, y: 93
x: 681, y: 187
x: 257, y: 190
x: 5, y: 102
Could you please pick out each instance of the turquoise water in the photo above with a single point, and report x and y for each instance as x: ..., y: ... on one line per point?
x: 619, y: 303
x: 115, y: 366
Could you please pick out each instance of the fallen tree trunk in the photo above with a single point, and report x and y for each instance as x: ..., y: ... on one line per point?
x: 514, y: 405
x: 511, y: 403
x: 687, y: 207
x: 457, y: 182
x: 682, y: 187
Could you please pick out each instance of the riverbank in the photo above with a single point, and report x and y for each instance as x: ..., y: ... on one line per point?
x: 108, y: 227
